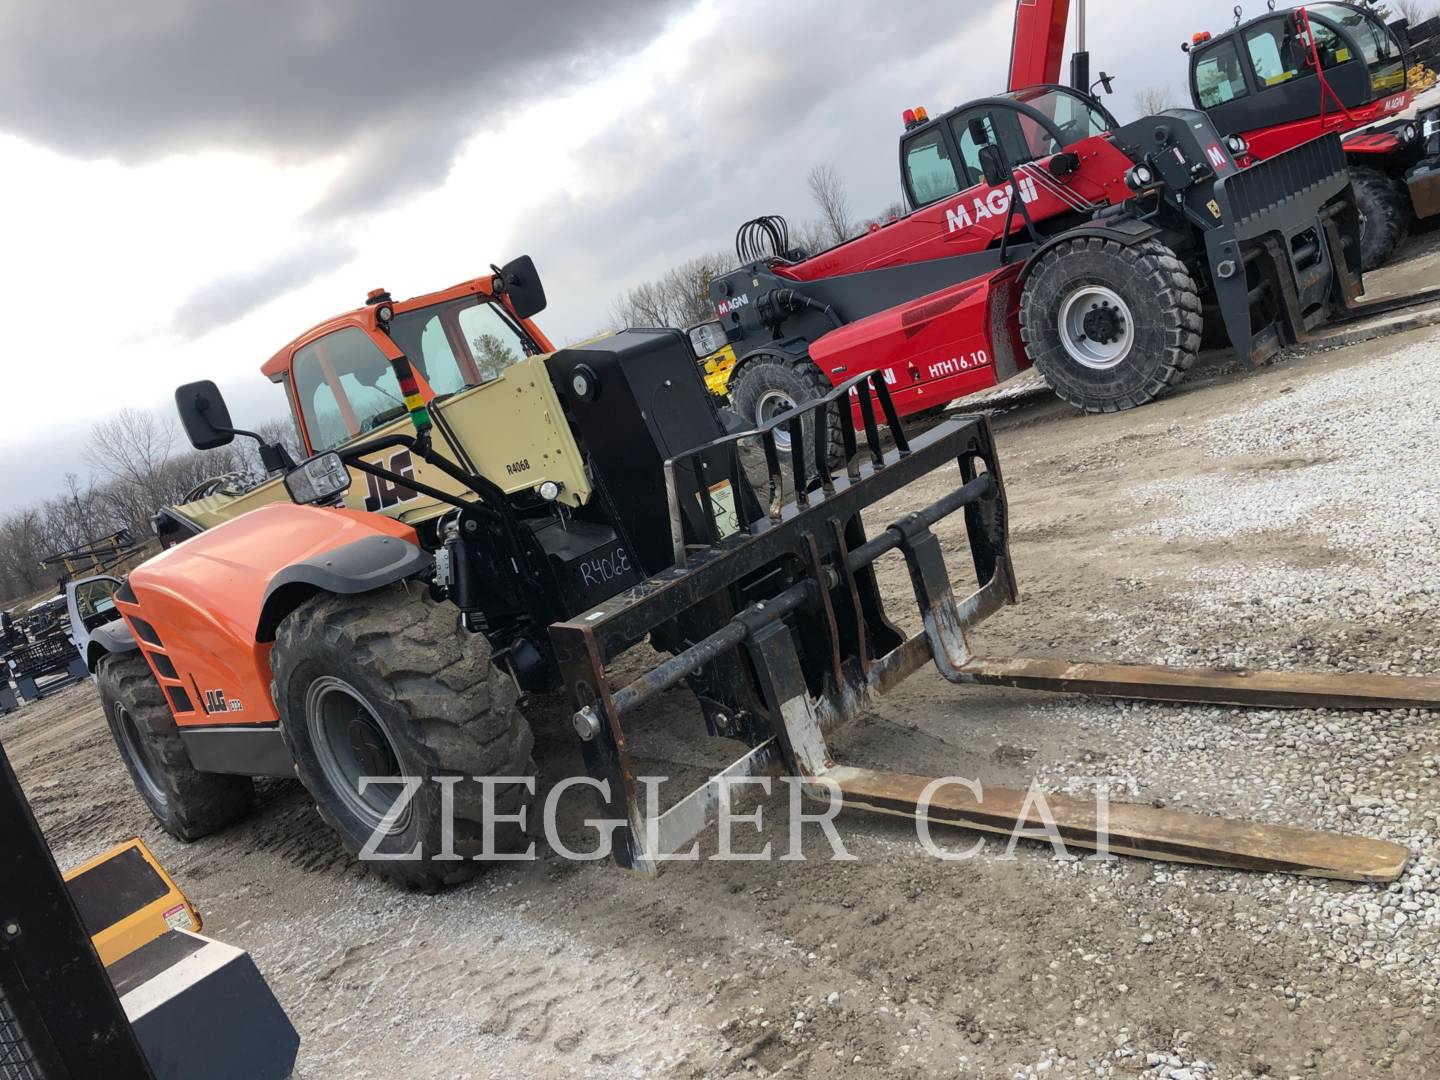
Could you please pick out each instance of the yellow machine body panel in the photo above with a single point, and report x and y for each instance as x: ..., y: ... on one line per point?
x: 127, y: 900
x: 213, y: 509
x: 510, y: 430
x: 717, y: 368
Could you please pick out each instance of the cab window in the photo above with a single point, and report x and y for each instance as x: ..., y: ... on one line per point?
x: 1279, y: 55
x: 1218, y: 75
x: 969, y: 148
x: 1381, y: 52
x: 1069, y: 112
x: 95, y: 598
x: 493, y: 343
x: 346, y: 387
x: 457, y: 344
x: 1021, y: 138
x: 928, y: 168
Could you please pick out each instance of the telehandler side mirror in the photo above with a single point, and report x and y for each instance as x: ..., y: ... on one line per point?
x: 993, y: 166
x: 519, y: 280
x: 204, y: 415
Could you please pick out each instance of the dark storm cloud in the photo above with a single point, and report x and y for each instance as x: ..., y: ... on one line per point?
x: 226, y: 299
x: 732, y: 135
x: 398, y: 84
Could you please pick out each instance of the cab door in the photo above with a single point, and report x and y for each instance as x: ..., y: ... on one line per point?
x: 90, y: 603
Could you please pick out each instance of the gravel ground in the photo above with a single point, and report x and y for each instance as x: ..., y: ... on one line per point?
x: 1286, y: 518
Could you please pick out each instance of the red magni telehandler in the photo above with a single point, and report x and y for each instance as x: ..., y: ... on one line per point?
x: 1099, y: 274
x: 1287, y: 77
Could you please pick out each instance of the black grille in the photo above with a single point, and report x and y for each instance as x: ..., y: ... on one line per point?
x: 145, y: 631
x: 1313, y: 172
x: 17, y: 1060
x: 179, y: 700
x: 163, y: 666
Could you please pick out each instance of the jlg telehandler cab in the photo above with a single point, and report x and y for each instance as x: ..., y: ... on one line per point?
x: 1286, y: 77
x: 482, y: 517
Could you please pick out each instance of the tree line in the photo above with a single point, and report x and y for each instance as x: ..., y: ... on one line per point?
x: 138, y: 463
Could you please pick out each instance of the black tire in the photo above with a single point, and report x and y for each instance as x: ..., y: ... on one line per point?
x: 766, y: 381
x: 1142, y: 307
x: 1385, y: 214
x: 188, y: 804
x: 398, y: 674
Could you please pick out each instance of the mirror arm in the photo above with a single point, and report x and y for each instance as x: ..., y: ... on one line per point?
x: 239, y: 431
x: 1016, y: 199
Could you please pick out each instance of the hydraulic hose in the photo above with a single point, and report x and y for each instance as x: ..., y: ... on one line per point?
x: 777, y: 303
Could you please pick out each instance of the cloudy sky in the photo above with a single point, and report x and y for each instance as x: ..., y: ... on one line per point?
x: 191, y: 183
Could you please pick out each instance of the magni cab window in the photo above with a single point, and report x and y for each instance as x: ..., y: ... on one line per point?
x: 1218, y: 75
x: 1278, y: 54
x: 1380, y: 50
x: 928, y: 169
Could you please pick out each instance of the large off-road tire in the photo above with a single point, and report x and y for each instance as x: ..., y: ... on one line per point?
x: 389, y: 684
x: 769, y: 385
x: 187, y: 804
x: 1110, y: 327
x: 1385, y: 214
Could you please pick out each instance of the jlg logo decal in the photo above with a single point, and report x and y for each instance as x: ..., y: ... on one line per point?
x: 215, y: 702
x: 381, y: 494
x: 993, y: 205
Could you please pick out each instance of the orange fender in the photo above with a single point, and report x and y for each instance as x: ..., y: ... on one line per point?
x: 205, y: 611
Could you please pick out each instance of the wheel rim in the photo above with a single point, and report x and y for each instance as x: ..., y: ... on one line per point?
x: 1096, y: 327
x: 350, y: 742
x: 775, y: 403
x: 139, y: 753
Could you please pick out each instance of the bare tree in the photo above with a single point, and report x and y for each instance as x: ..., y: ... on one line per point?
x: 1154, y: 99
x: 132, y: 446
x: 680, y: 297
x: 281, y: 432
x: 828, y: 192
x: 890, y: 213
x: 811, y: 236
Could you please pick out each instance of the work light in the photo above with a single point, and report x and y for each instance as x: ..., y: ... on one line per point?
x: 318, y: 482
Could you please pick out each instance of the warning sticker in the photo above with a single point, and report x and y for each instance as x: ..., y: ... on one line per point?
x: 722, y: 499
x: 178, y: 918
